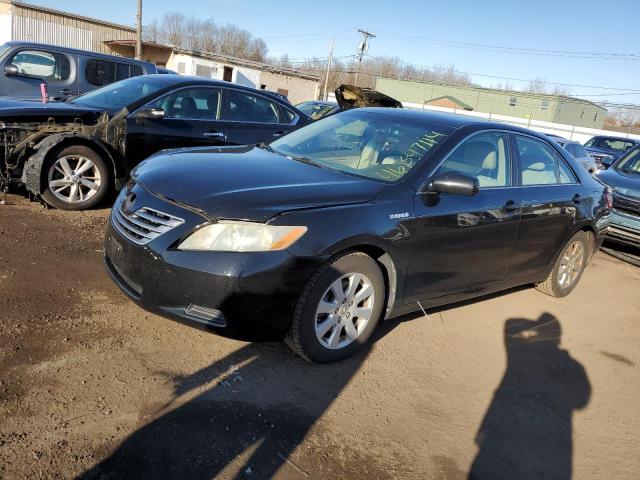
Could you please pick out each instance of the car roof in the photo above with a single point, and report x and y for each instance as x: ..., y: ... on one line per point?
x: 77, y: 51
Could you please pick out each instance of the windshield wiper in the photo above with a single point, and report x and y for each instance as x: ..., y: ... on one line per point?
x: 306, y: 160
x: 264, y: 146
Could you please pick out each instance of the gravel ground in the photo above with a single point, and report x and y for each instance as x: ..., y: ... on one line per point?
x: 516, y: 385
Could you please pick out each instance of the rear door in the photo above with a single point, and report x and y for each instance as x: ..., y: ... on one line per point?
x: 460, y: 243
x: 58, y: 70
x: 191, y: 119
x: 252, y: 118
x: 551, y: 193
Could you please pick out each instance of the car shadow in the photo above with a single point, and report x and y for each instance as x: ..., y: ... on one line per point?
x: 526, y: 432
x: 243, y: 416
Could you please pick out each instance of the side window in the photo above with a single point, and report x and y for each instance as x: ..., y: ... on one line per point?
x: 247, y: 107
x: 100, y: 72
x: 136, y: 70
x: 565, y: 173
x: 191, y: 103
x: 540, y: 164
x: 289, y: 115
x: 484, y: 156
x: 572, y: 149
x: 122, y: 71
x: 49, y: 66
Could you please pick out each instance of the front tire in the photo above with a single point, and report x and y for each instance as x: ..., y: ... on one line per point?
x: 569, y: 266
x: 76, y: 178
x: 338, y: 309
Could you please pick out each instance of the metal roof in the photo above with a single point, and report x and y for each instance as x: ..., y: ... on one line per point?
x: 68, y: 14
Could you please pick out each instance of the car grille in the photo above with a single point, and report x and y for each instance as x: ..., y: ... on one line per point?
x: 144, y: 224
x: 626, y: 204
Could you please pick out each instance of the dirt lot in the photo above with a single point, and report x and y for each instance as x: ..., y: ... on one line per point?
x: 518, y: 385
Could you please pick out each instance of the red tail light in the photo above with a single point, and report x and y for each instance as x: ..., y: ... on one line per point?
x: 608, y: 196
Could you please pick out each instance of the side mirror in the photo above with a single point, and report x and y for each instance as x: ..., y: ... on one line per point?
x: 455, y: 184
x: 151, y: 113
x: 11, y: 70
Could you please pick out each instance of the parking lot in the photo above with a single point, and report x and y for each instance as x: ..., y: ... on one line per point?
x: 93, y: 386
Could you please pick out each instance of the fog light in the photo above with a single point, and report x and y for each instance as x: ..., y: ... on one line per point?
x: 209, y: 315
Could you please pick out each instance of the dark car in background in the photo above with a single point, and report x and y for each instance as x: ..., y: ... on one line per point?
x: 607, y: 149
x: 624, y: 179
x: 577, y: 151
x: 316, y: 109
x: 67, y: 72
x: 362, y: 215
x: 72, y: 153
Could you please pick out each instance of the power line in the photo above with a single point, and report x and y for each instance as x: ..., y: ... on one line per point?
x: 517, y: 50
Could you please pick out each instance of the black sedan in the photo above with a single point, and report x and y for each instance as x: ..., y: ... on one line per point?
x: 363, y: 215
x: 73, y: 153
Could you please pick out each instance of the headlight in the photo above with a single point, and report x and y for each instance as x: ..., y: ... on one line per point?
x: 242, y: 237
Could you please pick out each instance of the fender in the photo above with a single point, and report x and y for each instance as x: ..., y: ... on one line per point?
x: 32, y: 172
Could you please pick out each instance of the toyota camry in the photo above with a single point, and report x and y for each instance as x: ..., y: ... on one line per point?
x: 361, y: 216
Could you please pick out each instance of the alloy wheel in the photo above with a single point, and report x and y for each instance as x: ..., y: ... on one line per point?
x: 344, y: 310
x: 571, y: 264
x: 74, y: 179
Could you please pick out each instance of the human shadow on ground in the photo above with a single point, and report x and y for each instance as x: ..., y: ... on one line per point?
x: 527, y: 430
x: 243, y: 415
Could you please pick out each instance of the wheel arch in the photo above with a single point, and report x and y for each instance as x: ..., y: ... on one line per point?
x: 33, y: 176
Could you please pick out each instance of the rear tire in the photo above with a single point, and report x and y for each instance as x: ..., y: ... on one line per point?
x: 75, y: 178
x: 569, y: 266
x: 338, y: 309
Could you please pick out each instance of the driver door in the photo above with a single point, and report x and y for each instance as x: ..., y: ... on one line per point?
x: 462, y: 243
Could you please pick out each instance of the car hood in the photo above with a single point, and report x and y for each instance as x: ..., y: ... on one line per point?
x: 31, y: 110
x: 623, y: 183
x: 246, y: 183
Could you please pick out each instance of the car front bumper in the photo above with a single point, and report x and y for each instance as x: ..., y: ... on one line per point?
x: 248, y: 296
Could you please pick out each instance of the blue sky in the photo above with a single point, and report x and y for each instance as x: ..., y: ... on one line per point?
x: 420, y: 32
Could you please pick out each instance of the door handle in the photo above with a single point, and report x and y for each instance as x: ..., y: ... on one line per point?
x: 213, y: 134
x: 510, y: 206
x: 66, y: 91
x: 577, y: 198
x: 278, y: 134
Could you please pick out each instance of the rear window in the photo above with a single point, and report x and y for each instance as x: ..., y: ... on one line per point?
x: 617, y: 144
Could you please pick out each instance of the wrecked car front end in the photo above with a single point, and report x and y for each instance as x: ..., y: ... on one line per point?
x: 30, y: 130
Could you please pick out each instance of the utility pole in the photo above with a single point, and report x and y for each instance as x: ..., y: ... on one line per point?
x: 139, y: 31
x: 362, y: 49
x: 326, y: 78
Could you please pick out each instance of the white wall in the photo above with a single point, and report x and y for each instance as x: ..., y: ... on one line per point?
x: 246, y: 76
x: 5, y: 24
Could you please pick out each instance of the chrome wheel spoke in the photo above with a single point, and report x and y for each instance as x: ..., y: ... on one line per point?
x: 334, y: 339
x: 83, y: 165
x: 350, y: 329
x: 59, y: 183
x: 65, y: 166
x: 364, y: 293
x: 89, y: 184
x: 327, y: 325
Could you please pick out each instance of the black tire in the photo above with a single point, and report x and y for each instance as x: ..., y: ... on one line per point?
x: 81, y: 151
x: 301, y: 337
x: 552, y: 285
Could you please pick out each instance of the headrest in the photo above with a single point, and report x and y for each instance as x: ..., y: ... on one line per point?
x: 477, y: 153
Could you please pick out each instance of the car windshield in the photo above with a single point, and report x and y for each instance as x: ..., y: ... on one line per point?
x: 316, y: 110
x: 616, y: 144
x: 120, y: 94
x: 630, y: 163
x: 367, y: 144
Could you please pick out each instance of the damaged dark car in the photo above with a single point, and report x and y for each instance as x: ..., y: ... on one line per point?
x: 72, y: 154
